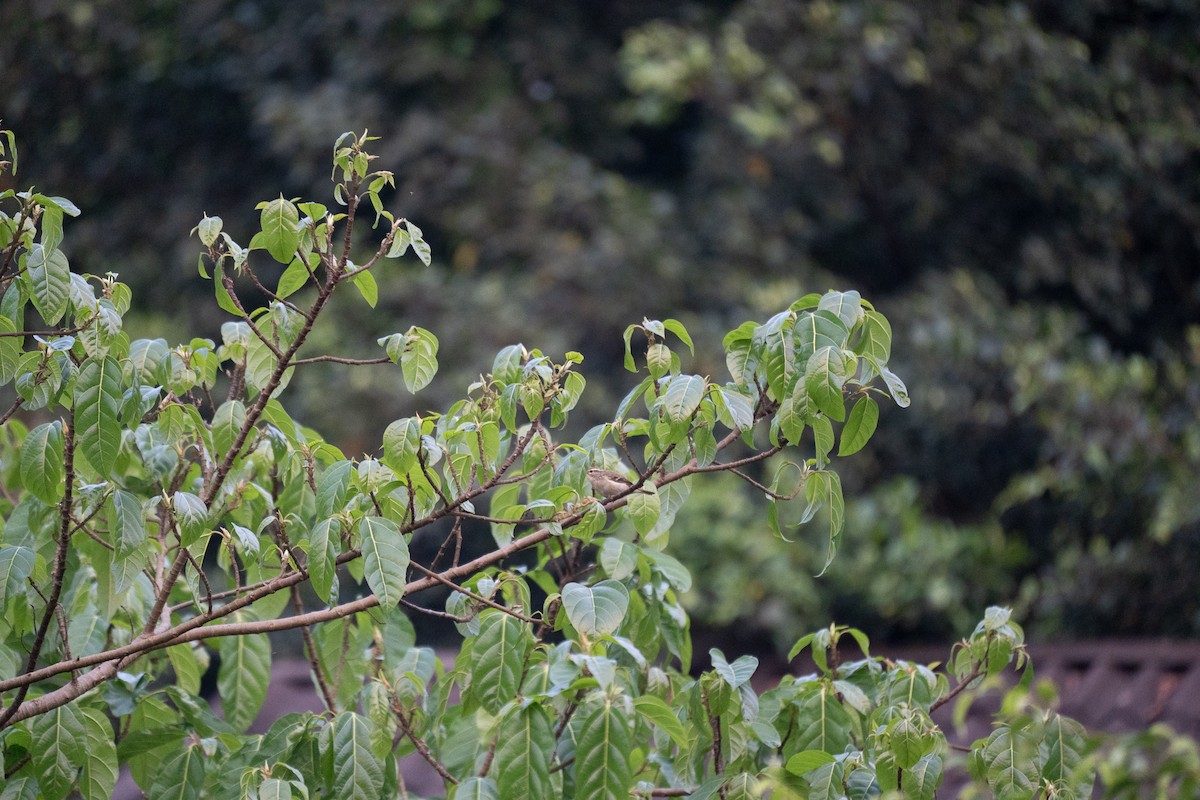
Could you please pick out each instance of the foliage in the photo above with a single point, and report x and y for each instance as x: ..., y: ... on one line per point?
x: 149, y: 521
x: 1013, y: 181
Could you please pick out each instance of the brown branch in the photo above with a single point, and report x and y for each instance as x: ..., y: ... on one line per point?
x: 478, y: 598
x: 12, y: 410
x: 354, y: 362
x: 422, y: 748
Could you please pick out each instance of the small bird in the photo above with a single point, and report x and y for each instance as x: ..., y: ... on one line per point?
x: 608, y: 484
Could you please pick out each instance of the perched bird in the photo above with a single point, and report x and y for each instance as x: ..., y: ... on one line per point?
x: 608, y: 484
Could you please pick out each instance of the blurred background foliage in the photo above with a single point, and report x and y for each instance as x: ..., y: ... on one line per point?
x: 1013, y: 184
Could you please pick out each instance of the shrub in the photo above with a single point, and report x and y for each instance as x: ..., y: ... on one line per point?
x: 161, y: 504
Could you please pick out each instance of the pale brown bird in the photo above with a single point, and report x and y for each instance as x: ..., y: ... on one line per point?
x: 608, y: 484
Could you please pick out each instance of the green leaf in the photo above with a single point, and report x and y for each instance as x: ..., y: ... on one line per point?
x: 864, y: 417
x: 876, y: 339
x: 896, y: 386
x: 98, y: 392
x: 401, y: 444
x: 921, y: 782
x: 10, y: 350
x: 419, y: 246
x: 497, y: 658
x: 416, y: 353
x: 815, y: 330
x: 324, y: 546
x: 16, y: 564
x: 735, y: 674
x: 99, y: 777
x: 683, y: 397
x: 365, y: 282
x: 42, y: 462
x: 596, y: 610
x: 385, y: 558
x: 357, y: 772
x: 823, y: 379
x: 475, y: 788
x: 227, y: 422
x: 224, y: 300
x: 676, y: 327
x: 280, y: 222
x: 293, y: 279
x: 522, y: 762
x: 822, y: 439
x: 191, y: 515
x: 332, y: 487
x: 846, y: 306
x: 603, y: 754
x: 824, y: 488
x: 740, y: 354
x: 825, y: 782
x: 808, y: 760
x: 738, y: 406
x: 59, y: 749
x: 180, y: 777
x: 128, y: 527
x: 821, y: 722
x: 644, y: 508
x: 208, y: 230
x: 243, y: 677
x: 656, y: 711
x: 48, y: 278
x: 1010, y: 760
x: 1068, y: 746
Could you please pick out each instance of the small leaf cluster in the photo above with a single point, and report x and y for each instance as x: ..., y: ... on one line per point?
x: 169, y: 508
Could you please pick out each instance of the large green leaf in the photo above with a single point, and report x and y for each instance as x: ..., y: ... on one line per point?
x: 644, y: 507
x: 98, y: 392
x: 416, y: 353
x: 846, y: 306
x: 876, y: 339
x: 127, y: 526
x: 243, y: 677
x: 401, y: 443
x: 227, y: 421
x: 385, y: 558
x: 357, y: 772
x: 603, y: 754
x: 497, y: 658
x: 864, y: 417
x: 59, y: 749
x: 324, y: 546
x: 48, y: 279
x: 821, y: 723
x: 100, y: 768
x: 683, y: 397
x: 595, y: 610
x: 332, y: 487
x: 1012, y: 758
x: 823, y: 378
x: 180, y: 777
x: 1067, y: 747
x: 817, y: 329
x: 656, y: 711
x: 522, y: 762
x: 42, y: 462
x: 921, y: 782
x: 16, y: 564
x: 280, y: 234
